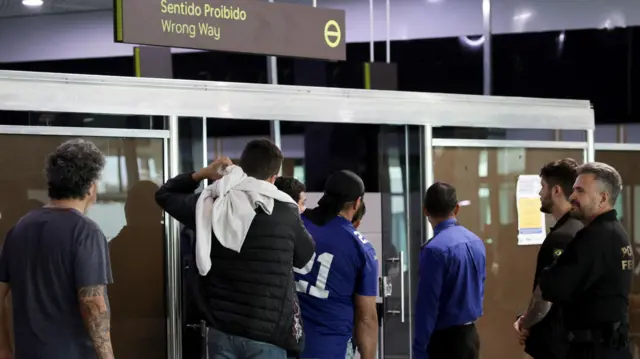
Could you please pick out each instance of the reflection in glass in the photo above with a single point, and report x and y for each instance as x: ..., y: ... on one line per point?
x: 491, y: 215
x: 507, y: 194
x: 125, y: 211
x: 511, y: 160
x: 483, y: 163
x: 485, y: 204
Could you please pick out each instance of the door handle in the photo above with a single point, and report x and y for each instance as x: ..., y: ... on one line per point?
x: 401, y: 286
x: 400, y: 261
x: 393, y: 312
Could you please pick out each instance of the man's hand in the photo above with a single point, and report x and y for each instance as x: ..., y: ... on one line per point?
x: 522, y: 333
x: 214, y: 171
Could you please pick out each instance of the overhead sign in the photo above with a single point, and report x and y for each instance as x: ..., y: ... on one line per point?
x: 249, y: 26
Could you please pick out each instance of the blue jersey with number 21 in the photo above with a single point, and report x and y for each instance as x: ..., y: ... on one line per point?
x: 344, y: 264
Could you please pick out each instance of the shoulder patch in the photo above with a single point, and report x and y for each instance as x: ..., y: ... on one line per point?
x: 557, y: 253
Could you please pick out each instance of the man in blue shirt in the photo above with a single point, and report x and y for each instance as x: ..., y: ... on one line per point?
x: 451, y: 285
x: 339, y: 285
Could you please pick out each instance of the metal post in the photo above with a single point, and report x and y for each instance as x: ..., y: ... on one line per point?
x: 591, y: 151
x: 486, y: 49
x: 372, y: 57
x: 205, y: 148
x: 407, y: 208
x: 622, y: 136
x: 428, y: 148
x: 275, y: 136
x: 174, y: 302
x: 272, y: 72
x: 388, y: 45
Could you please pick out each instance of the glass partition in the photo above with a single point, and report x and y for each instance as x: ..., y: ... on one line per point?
x: 486, y: 177
x: 628, y: 205
x: 389, y: 160
x: 126, y: 212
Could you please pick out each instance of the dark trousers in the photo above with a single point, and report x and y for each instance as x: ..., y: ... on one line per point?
x: 597, y: 351
x: 459, y: 342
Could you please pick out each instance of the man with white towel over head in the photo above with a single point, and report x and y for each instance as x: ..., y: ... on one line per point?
x: 249, y: 236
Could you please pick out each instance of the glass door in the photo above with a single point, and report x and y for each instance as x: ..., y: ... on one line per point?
x: 402, y: 234
x: 127, y: 213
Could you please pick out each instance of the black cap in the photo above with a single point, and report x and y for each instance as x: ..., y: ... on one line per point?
x: 345, y: 186
x: 341, y: 188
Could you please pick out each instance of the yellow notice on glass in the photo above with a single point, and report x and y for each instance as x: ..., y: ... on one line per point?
x: 531, y: 221
x: 529, y: 213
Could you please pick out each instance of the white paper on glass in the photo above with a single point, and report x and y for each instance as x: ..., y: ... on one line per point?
x: 531, y: 221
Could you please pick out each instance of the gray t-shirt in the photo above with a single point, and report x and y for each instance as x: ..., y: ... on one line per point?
x: 47, y: 256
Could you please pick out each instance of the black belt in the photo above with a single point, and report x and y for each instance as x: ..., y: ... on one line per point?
x: 453, y: 328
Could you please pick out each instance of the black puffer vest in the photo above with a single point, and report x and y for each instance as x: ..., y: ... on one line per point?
x: 252, y: 293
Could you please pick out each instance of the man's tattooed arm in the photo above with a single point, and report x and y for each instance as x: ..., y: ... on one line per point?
x: 96, y: 316
x: 538, y: 309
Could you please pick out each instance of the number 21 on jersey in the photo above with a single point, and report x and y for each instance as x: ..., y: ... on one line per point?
x: 318, y: 289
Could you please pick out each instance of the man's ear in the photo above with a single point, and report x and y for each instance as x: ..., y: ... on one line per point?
x: 357, y: 203
x: 356, y: 224
x: 456, y: 210
x: 426, y: 214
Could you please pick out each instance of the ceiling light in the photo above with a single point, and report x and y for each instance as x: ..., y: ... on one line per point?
x: 32, y: 3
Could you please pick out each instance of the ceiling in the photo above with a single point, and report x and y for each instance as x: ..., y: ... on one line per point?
x: 13, y: 8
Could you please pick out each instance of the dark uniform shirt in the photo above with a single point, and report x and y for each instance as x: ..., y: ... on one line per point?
x: 591, y: 280
x: 546, y: 337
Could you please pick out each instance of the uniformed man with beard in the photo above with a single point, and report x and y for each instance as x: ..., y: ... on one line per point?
x: 591, y: 280
x: 540, y: 327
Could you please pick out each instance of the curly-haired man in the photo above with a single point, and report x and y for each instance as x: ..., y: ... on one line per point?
x: 55, y: 262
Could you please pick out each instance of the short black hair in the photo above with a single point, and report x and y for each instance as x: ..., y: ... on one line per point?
x: 290, y: 186
x: 261, y: 159
x: 562, y: 173
x: 72, y: 168
x: 359, y: 213
x: 440, y: 199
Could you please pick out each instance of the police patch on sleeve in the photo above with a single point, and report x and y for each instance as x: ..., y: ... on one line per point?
x: 557, y: 253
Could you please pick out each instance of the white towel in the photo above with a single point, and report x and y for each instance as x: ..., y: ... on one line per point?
x: 227, y: 207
